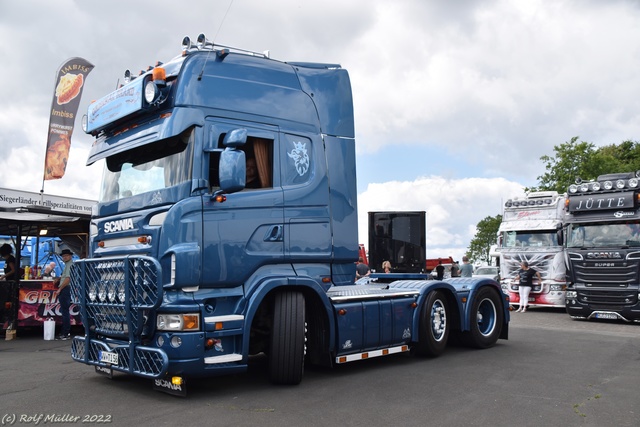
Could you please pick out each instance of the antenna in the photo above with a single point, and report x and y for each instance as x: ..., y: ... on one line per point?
x: 214, y: 39
x: 222, y: 22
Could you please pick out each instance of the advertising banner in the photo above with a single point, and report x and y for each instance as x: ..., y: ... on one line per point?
x: 64, y: 107
x: 38, y: 301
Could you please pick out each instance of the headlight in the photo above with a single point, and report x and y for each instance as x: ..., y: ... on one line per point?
x: 573, y: 189
x: 608, y: 185
x: 178, y: 322
x: 633, y: 182
x: 102, y: 292
x: 572, y: 294
x: 93, y: 292
x: 620, y: 184
x: 584, y: 187
x: 595, y: 186
x: 111, y: 292
x: 121, y: 293
x: 150, y: 91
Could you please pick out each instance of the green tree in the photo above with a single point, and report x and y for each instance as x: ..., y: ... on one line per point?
x: 582, y: 159
x: 486, y: 233
x: 570, y: 161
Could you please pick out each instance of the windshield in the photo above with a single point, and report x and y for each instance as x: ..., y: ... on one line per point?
x: 604, y: 235
x: 156, y: 166
x: 512, y: 239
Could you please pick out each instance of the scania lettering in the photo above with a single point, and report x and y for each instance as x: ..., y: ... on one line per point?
x: 603, y: 248
x: 114, y: 226
x: 531, y: 231
x: 227, y: 227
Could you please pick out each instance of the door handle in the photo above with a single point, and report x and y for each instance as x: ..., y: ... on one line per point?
x: 274, y: 234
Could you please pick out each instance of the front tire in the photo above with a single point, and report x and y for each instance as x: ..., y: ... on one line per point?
x: 287, y: 350
x: 434, y: 328
x: 486, y: 320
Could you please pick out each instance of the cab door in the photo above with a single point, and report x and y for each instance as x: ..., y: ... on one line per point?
x: 247, y: 230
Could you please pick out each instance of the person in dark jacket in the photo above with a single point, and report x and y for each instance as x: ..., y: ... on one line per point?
x: 440, y: 271
x: 524, y: 277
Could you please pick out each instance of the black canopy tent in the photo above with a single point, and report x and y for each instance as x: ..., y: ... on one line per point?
x: 25, y: 214
x: 71, y: 228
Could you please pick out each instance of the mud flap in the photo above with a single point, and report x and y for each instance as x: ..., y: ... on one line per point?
x: 165, y: 385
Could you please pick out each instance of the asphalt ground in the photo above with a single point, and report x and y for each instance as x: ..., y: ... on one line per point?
x: 553, y: 371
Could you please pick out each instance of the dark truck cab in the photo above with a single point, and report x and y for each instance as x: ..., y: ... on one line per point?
x: 602, y: 226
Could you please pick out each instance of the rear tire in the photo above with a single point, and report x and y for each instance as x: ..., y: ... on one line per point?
x: 287, y: 350
x: 486, y: 321
x: 434, y: 328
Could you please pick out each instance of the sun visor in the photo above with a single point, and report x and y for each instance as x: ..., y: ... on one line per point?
x: 530, y: 225
x: 164, y: 126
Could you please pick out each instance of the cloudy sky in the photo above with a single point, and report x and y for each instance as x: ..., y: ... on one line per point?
x: 455, y: 101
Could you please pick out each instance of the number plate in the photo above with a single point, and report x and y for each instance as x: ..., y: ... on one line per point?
x: 108, y: 357
x: 606, y: 316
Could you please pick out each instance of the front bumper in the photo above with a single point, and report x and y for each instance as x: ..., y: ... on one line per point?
x: 603, y: 303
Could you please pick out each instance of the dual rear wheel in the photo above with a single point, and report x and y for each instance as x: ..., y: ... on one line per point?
x: 485, y: 322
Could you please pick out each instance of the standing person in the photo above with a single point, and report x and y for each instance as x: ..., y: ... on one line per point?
x: 466, y: 269
x: 524, y: 276
x: 362, y: 269
x: 440, y: 270
x: 6, y: 252
x: 64, y: 294
x: 455, y: 269
x: 386, y: 266
x: 6, y: 289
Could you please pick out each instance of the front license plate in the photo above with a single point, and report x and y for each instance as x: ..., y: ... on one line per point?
x: 606, y: 316
x: 108, y: 357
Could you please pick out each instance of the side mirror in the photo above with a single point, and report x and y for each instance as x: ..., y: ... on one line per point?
x: 232, y: 170
x: 235, y: 138
x: 560, y: 236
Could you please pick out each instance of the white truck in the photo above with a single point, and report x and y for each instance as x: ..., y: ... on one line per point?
x: 531, y: 231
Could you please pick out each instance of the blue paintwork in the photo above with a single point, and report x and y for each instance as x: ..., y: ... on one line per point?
x: 230, y: 257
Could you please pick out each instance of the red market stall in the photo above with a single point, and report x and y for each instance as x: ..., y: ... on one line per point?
x: 27, y: 303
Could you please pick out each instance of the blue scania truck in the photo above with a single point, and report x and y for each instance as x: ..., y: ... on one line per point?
x: 227, y: 227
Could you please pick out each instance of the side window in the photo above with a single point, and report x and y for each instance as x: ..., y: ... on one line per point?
x: 214, y: 166
x: 259, y: 157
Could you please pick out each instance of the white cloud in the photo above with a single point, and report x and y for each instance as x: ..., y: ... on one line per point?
x: 453, y: 206
x: 489, y: 86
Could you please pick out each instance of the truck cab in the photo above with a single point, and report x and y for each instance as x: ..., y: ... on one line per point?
x: 227, y: 227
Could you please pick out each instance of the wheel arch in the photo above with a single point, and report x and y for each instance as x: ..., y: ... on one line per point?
x: 320, y: 321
